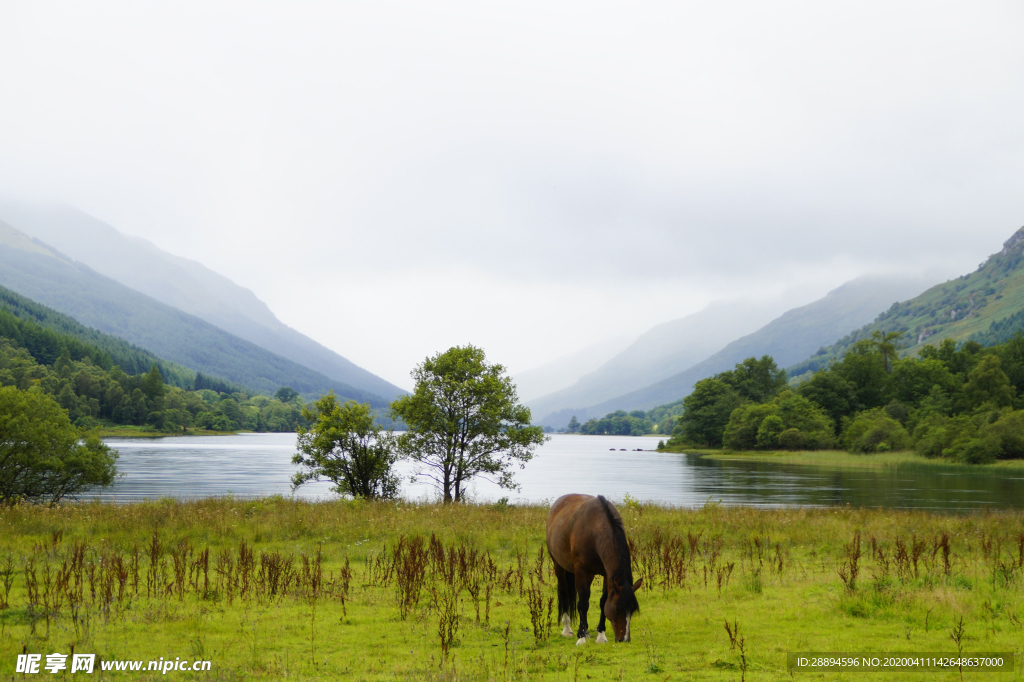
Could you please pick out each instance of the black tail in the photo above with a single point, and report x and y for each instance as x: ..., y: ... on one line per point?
x: 567, y: 595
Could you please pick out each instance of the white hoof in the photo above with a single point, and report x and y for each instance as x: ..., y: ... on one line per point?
x: 567, y: 631
x: 566, y: 625
x: 581, y: 641
x: 601, y: 639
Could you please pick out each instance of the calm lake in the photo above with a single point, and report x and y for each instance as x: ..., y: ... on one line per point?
x: 251, y: 465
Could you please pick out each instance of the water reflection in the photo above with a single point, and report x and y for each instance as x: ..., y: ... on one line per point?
x: 904, y: 487
x: 250, y: 465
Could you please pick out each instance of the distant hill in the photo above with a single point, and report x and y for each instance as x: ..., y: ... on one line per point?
x: 43, y: 274
x: 795, y: 334
x: 103, y: 349
x: 664, y: 350
x: 986, y: 305
x: 563, y: 372
x: 186, y: 285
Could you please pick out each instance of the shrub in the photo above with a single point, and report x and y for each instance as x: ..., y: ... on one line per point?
x: 875, y: 431
x: 975, y: 450
x: 741, y: 431
x: 760, y: 426
x: 935, y: 434
x: 792, y: 439
x: 769, y: 431
x: 1008, y: 430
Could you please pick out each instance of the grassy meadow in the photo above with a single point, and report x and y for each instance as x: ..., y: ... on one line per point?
x: 281, y: 589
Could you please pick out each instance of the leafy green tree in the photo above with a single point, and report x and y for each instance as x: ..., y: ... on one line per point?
x: 865, y: 368
x: 761, y: 426
x: 43, y: 458
x: 912, y: 379
x: 744, y: 423
x: 464, y: 420
x: 1012, y: 355
x: 153, y: 383
x: 619, y: 423
x: 832, y: 393
x: 1008, y: 430
x: 286, y: 394
x: 959, y: 361
x: 706, y: 413
x: 875, y: 431
x: 976, y: 450
x: 988, y: 384
x: 886, y: 343
x: 935, y: 433
x: 346, y: 447
x: 768, y: 432
x: 755, y: 379
x: 574, y: 425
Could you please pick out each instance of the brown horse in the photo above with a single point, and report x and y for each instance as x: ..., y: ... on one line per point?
x: 586, y: 538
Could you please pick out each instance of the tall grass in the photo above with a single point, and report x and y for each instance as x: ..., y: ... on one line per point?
x: 274, y: 587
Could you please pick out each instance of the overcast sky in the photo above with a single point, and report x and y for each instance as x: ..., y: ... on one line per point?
x: 395, y: 178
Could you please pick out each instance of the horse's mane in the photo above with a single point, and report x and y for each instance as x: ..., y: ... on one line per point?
x: 627, y: 603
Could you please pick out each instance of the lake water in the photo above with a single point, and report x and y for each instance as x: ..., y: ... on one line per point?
x: 251, y: 465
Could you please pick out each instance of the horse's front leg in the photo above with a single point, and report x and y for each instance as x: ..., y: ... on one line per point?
x: 601, y: 637
x: 583, y: 581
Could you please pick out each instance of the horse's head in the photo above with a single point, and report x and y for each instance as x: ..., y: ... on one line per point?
x: 620, y: 607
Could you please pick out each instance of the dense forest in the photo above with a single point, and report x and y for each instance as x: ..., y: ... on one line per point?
x: 956, y: 401
x: 44, y: 332
x: 87, y: 382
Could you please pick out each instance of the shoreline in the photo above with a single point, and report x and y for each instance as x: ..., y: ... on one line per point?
x: 845, y: 460
x: 142, y: 432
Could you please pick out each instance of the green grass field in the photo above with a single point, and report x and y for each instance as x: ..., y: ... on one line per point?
x: 280, y: 589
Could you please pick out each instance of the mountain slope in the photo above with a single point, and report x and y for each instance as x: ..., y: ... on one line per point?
x: 42, y: 274
x: 794, y: 334
x: 663, y: 350
x: 986, y: 305
x: 186, y: 285
x: 563, y: 372
x: 112, y: 350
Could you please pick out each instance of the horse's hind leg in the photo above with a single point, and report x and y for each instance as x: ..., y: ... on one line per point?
x: 602, y: 638
x: 566, y: 594
x: 583, y: 582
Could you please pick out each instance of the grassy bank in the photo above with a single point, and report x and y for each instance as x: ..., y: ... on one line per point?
x: 276, y: 589
x: 839, y: 458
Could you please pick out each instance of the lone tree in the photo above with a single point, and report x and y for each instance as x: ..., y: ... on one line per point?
x: 286, y: 394
x: 43, y: 457
x: 345, y: 446
x: 464, y: 420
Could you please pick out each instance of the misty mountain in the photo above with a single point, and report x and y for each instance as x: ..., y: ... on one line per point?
x: 43, y: 274
x: 186, y: 285
x: 662, y: 351
x: 105, y: 350
x: 565, y: 371
x: 795, y: 334
x: 986, y: 306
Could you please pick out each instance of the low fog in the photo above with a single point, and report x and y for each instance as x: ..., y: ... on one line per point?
x: 534, y: 178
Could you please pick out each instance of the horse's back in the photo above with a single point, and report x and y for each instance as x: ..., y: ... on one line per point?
x: 561, y: 520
